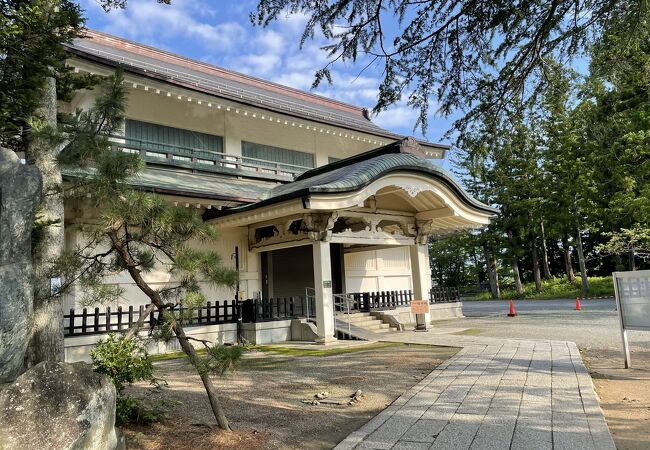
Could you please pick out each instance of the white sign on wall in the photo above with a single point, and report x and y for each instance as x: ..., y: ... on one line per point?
x: 632, y: 290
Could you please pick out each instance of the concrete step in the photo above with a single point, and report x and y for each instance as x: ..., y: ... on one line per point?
x: 382, y: 330
x: 353, y: 316
x: 360, y: 321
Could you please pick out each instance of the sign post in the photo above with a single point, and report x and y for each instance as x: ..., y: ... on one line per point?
x: 420, y: 308
x: 632, y: 291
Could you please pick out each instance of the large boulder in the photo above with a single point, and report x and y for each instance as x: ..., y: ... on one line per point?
x: 56, y: 406
x: 20, y: 195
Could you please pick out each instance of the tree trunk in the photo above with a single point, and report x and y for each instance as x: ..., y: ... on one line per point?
x: 46, y: 342
x: 189, y: 350
x: 536, y: 272
x: 568, y: 265
x: 547, y: 268
x: 183, y: 340
x: 493, y: 276
x: 632, y: 261
x: 583, y: 265
x: 515, y: 265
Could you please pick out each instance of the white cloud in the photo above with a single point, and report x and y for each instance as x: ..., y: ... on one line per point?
x: 147, y: 21
x: 398, y: 116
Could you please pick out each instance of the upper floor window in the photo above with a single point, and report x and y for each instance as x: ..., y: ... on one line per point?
x: 332, y: 159
x: 160, y: 137
x: 277, y: 154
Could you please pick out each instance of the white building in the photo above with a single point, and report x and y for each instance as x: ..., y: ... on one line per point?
x: 306, y: 192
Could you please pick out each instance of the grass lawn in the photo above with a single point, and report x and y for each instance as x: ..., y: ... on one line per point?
x: 556, y: 288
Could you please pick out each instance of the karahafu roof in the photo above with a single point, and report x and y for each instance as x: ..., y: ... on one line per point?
x: 354, y: 173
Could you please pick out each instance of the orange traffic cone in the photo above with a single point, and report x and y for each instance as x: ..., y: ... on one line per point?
x: 578, y: 307
x: 512, y: 312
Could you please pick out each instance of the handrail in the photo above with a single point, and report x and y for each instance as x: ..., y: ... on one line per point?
x: 309, y: 290
x: 209, y: 156
x: 347, y: 300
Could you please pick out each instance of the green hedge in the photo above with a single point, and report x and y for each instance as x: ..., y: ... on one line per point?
x: 556, y: 288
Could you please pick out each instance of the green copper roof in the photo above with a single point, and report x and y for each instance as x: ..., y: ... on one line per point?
x: 354, y: 173
x: 193, y: 185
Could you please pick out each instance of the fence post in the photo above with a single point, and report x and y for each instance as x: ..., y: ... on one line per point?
x: 130, y: 316
x: 96, y: 324
x: 84, y: 320
x: 119, y: 318
x: 107, y: 315
x: 71, y: 323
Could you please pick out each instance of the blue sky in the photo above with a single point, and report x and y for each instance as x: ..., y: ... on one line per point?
x: 220, y: 32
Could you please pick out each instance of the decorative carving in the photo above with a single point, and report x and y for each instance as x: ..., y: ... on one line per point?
x: 424, y: 229
x: 319, y: 226
x: 408, y: 229
x: 413, y: 190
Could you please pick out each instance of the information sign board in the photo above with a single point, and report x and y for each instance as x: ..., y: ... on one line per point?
x: 419, y: 307
x: 632, y: 290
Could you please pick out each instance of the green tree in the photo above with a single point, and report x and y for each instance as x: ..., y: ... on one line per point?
x: 456, y: 260
x: 452, y: 52
x: 136, y: 231
x: 33, y: 76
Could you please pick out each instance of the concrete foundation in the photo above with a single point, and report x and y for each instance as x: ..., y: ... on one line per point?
x: 437, y: 311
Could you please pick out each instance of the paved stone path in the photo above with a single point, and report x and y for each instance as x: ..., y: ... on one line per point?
x: 493, y: 394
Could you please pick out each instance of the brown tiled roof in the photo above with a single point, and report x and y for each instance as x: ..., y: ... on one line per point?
x: 203, y: 77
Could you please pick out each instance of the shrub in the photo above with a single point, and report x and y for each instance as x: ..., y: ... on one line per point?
x: 133, y: 410
x: 124, y: 361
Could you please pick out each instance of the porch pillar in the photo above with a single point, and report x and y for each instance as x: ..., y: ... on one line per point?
x: 420, y: 271
x: 323, y: 288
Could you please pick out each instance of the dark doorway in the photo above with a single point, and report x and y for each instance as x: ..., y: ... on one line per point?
x: 287, y: 272
x: 338, y: 268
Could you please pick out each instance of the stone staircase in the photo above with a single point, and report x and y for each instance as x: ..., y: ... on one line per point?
x: 364, y: 321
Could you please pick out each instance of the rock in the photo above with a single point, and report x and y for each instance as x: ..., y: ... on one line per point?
x: 20, y: 195
x: 57, y: 406
x: 315, y: 403
x: 322, y: 395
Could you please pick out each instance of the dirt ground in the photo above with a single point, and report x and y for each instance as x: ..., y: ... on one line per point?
x: 624, y: 394
x: 263, y: 398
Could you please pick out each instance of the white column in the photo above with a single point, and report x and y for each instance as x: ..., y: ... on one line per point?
x: 420, y: 271
x: 323, y: 287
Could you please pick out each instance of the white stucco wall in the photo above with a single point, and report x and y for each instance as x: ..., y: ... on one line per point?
x: 378, y: 270
x: 160, y: 277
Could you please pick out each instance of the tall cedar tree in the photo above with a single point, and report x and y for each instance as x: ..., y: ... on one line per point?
x: 450, y: 52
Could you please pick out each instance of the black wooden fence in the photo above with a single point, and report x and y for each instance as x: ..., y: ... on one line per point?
x: 444, y: 295
x: 96, y: 321
x: 266, y: 310
x: 367, y: 301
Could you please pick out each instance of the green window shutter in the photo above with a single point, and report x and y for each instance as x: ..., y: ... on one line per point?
x: 175, y: 140
x: 277, y: 154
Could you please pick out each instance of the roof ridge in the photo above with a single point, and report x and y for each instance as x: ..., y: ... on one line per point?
x: 202, y: 66
x: 407, y: 145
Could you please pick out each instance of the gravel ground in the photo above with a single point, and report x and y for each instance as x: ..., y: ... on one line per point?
x: 263, y: 398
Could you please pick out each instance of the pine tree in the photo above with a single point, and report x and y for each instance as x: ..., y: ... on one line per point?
x: 134, y: 232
